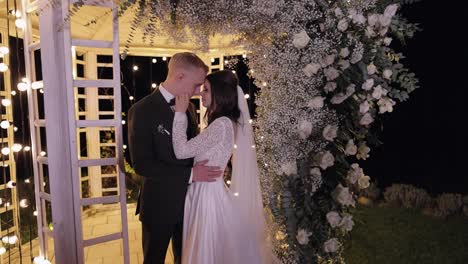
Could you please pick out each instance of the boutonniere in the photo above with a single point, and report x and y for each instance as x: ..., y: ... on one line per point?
x: 162, y: 130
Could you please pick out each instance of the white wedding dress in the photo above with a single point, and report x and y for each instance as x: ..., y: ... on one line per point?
x: 224, y: 225
x: 214, y: 232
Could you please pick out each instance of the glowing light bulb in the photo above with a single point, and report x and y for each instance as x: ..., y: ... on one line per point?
x: 3, y: 67
x: 27, y: 148
x: 135, y: 68
x: 250, y: 121
x: 16, y: 147
x: 5, y: 151
x: 154, y: 60
x: 153, y: 85
x: 247, y: 96
x: 164, y: 58
x: 212, y: 60
x: 43, y: 153
x: 123, y: 122
x: 27, y: 180
x: 13, y: 93
x: 124, y: 146
x: 37, y: 85
x: 131, y: 98
x: 24, y: 203
x: 5, y: 124
x: 244, y: 56
x: 23, y: 86
x: 6, y: 102
x: 20, y: 23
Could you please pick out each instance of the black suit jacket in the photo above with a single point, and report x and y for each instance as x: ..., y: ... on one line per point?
x: 162, y: 194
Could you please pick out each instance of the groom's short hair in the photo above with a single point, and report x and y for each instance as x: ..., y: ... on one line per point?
x: 186, y: 60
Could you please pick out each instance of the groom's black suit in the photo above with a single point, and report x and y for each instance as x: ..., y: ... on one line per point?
x: 165, y: 178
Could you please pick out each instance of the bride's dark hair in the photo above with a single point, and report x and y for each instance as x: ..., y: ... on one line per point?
x: 223, y: 96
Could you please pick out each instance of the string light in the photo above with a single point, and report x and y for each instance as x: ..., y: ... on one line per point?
x: 11, y: 184
x: 153, y: 85
x: 24, y: 203
x: 22, y: 86
x: 13, y: 93
x: 3, y: 67
x: 250, y: 121
x: 5, y: 151
x: 154, y: 60
x: 124, y: 146
x: 235, y: 146
x: 15, y: 129
x: 164, y: 58
x: 35, y: 213
x: 264, y: 84
x: 4, y: 51
x: 226, y: 61
x: 234, y: 72
x: 131, y: 98
x: 236, y: 194
x: 6, y: 102
x: 212, y: 60
x: 123, y: 122
x: 244, y: 56
x: 5, y: 124
x: 228, y: 182
x: 27, y: 148
x: 41, y: 91
x: 27, y: 180
x: 20, y: 23
x: 16, y: 147
x: 43, y: 153
x: 253, y: 146
x: 135, y: 68
x: 247, y: 96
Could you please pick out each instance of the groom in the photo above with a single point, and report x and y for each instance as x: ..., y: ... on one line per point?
x: 165, y: 178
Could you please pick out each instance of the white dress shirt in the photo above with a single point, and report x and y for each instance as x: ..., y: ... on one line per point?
x: 168, y: 96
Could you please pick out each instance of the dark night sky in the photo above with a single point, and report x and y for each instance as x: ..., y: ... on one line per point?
x: 424, y: 138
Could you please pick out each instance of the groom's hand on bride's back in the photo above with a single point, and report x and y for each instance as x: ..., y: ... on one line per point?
x: 203, y: 173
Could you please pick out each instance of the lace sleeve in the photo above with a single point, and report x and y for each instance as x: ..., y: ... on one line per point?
x: 211, y: 136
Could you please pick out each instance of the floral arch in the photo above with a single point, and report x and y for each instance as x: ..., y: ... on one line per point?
x: 326, y: 73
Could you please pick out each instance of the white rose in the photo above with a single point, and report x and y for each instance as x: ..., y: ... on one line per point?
x: 359, y: 19
x: 330, y: 87
x: 343, y: 196
x: 363, y: 152
x: 387, y: 73
x: 364, y: 107
x: 316, y: 102
x: 368, y: 84
x: 338, y: 12
x: 303, y: 236
x: 311, y: 69
x: 351, y: 148
x: 366, y: 119
x: 344, y: 64
x: 325, y: 159
x: 331, y: 73
x: 329, y: 132
x: 328, y: 60
x: 289, y: 168
x: 373, y: 19
x: 369, y: 32
x: 334, y: 219
x: 387, y: 41
x: 378, y: 92
x: 343, y: 24
x: 371, y: 69
x: 390, y: 10
x: 385, y: 105
x: 364, y: 181
x: 347, y: 223
x: 305, y: 129
x: 354, y: 173
x: 344, y: 52
x: 315, y: 172
x: 331, y: 245
x: 301, y: 39
x: 385, y: 21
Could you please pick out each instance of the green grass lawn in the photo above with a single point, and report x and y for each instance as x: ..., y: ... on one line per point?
x: 395, y: 235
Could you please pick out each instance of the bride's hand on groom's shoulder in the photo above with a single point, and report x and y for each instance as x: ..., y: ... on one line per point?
x: 182, y: 103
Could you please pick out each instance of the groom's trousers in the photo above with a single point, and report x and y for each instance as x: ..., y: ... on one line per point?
x: 156, y: 239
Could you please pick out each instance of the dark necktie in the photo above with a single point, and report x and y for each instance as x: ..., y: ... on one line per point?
x: 172, y: 102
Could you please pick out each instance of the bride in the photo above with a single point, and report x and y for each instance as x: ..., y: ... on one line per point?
x: 222, y: 224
